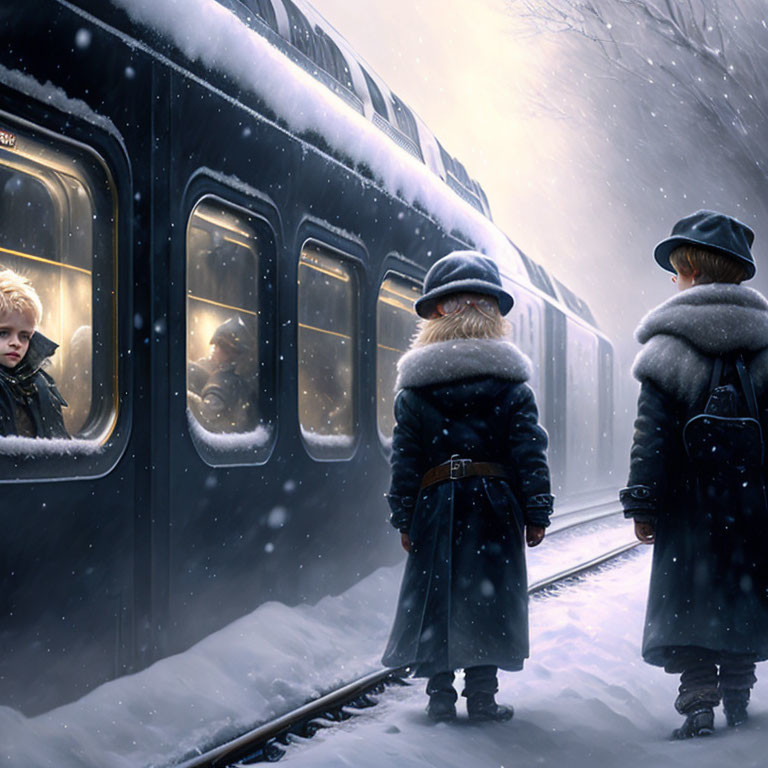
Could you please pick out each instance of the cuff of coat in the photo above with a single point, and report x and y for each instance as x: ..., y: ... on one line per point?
x: 402, y: 511
x: 538, y: 508
x: 640, y: 516
x: 638, y: 499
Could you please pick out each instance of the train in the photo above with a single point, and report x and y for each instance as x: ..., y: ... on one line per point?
x: 228, y: 179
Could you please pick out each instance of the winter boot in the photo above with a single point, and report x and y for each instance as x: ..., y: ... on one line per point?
x: 737, y: 676
x: 698, y: 695
x: 699, y: 722
x: 442, y: 697
x: 735, y: 707
x: 482, y: 707
x: 480, y: 685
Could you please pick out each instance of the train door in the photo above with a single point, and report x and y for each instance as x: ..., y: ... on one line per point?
x: 220, y: 373
x: 555, y: 393
x: 582, y: 421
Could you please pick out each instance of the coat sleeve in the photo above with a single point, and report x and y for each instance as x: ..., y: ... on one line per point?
x: 528, y: 454
x: 407, y: 462
x: 652, y: 446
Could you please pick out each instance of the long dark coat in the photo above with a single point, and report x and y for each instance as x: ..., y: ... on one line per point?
x: 709, y: 580
x: 29, y: 391
x: 463, y: 600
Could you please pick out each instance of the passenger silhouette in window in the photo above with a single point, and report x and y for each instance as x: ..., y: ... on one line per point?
x: 78, y: 377
x: 30, y: 404
x: 223, y: 387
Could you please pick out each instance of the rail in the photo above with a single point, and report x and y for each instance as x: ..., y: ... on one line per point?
x: 263, y: 743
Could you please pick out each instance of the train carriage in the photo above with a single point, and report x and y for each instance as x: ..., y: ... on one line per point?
x: 166, y: 206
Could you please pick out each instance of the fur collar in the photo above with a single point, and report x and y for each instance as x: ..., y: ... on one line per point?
x: 714, y: 318
x: 458, y: 359
x: 683, y: 335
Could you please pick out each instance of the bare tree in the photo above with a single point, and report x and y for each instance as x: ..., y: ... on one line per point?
x: 690, y: 60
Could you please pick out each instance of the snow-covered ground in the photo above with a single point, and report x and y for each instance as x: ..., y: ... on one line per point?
x: 584, y: 697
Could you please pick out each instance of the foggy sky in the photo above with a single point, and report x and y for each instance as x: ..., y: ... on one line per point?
x: 562, y: 180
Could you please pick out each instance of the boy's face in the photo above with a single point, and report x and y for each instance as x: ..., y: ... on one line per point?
x: 16, y: 331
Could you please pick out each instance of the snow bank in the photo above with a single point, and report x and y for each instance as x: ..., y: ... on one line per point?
x: 205, y: 31
x: 585, y: 699
x: 262, y: 665
x: 585, y: 678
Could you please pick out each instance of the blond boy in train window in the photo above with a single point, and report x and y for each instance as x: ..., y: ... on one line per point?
x: 30, y: 403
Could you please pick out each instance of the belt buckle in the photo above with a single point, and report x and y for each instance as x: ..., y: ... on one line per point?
x: 458, y: 467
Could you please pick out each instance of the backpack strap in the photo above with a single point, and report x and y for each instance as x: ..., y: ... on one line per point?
x: 748, y: 387
x: 717, y: 374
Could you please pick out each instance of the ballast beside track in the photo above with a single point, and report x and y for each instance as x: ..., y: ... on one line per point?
x: 266, y: 742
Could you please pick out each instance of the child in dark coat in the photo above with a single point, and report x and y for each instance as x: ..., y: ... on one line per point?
x: 470, y: 482
x: 704, y: 366
x: 30, y: 404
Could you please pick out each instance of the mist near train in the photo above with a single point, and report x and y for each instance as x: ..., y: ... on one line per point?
x: 662, y: 111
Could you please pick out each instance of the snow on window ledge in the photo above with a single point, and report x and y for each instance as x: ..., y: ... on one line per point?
x: 327, y: 442
x: 229, y: 442
x: 43, y: 446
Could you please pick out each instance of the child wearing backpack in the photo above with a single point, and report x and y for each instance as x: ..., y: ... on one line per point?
x: 696, y: 485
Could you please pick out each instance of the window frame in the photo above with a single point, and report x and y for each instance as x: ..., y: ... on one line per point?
x: 352, y: 253
x: 204, y: 188
x: 85, y: 458
x: 411, y: 270
x: 394, y: 270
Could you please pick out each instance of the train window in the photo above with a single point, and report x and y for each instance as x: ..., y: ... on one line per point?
x: 396, y: 323
x: 57, y: 229
x: 327, y: 313
x: 377, y: 99
x: 335, y: 63
x: 538, y: 275
x: 405, y: 120
x: 446, y: 158
x: 264, y: 10
x: 228, y: 368
x: 302, y: 35
x: 578, y: 306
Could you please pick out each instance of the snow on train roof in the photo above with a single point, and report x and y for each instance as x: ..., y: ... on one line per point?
x: 208, y: 32
x: 211, y: 34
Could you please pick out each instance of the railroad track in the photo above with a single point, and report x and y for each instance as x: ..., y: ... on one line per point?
x: 266, y: 742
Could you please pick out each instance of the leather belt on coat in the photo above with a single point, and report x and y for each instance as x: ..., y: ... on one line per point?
x: 456, y: 469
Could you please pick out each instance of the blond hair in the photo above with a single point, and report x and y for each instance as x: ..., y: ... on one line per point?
x: 18, y: 295
x: 469, y: 323
x: 712, y: 266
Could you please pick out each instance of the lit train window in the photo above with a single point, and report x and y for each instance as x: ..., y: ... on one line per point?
x: 228, y: 379
x: 57, y: 229
x: 327, y: 311
x: 396, y: 323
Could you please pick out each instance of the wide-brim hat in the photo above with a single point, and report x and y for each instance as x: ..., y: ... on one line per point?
x: 462, y: 272
x: 713, y: 231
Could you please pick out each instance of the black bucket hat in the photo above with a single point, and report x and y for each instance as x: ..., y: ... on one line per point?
x: 462, y: 272
x: 711, y: 230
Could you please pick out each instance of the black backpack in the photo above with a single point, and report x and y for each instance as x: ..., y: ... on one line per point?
x: 720, y: 441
